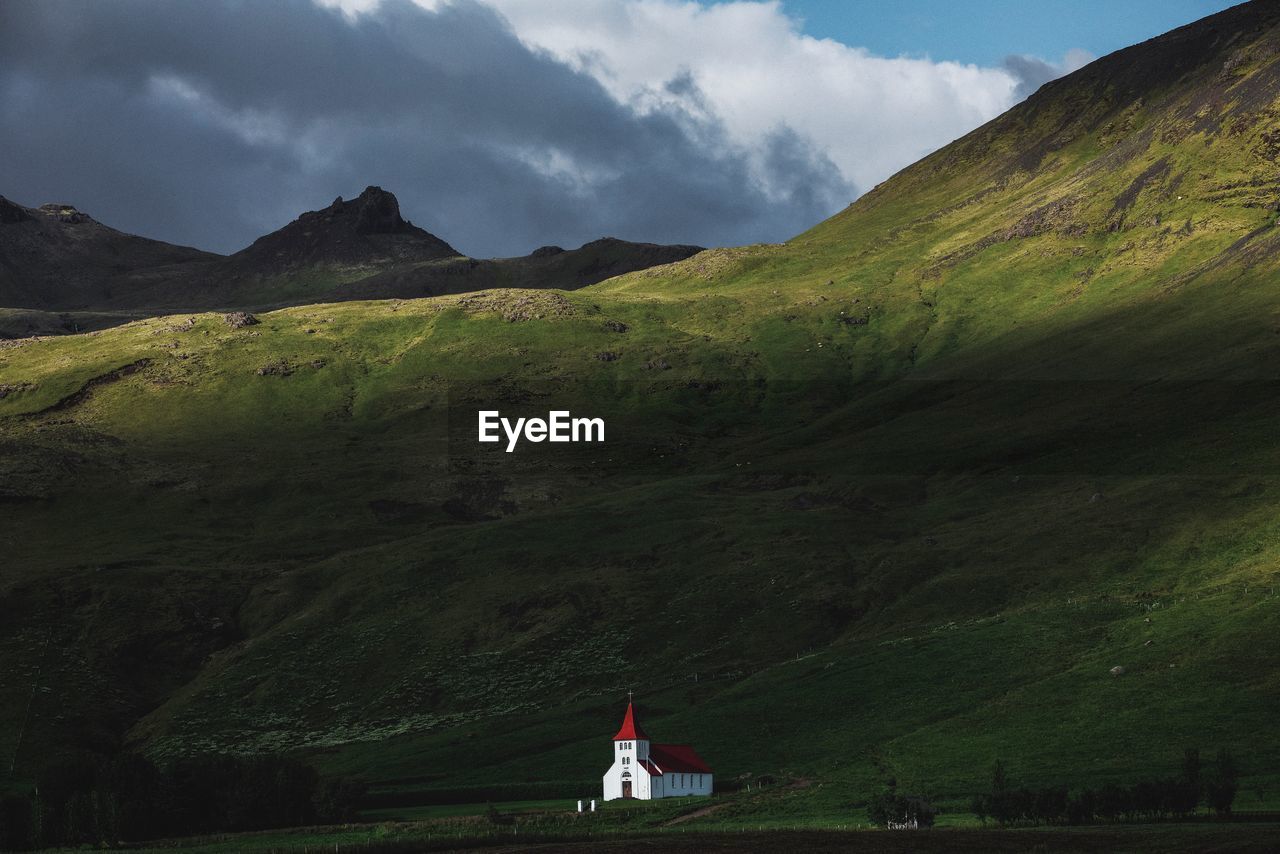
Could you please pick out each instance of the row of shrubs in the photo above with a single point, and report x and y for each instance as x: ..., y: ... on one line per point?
x: 894, y: 809
x: 1176, y: 796
x: 102, y: 802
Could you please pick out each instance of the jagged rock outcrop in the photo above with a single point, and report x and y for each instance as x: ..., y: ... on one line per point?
x: 367, y: 231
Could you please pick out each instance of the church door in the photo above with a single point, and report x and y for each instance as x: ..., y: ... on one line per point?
x: 626, y: 789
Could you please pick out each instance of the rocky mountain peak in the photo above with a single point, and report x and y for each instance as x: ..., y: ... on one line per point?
x: 10, y: 212
x: 364, y: 230
x: 64, y: 213
x: 378, y: 212
x: 374, y: 211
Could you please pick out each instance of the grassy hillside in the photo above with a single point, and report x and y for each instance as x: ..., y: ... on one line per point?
x: 889, y: 500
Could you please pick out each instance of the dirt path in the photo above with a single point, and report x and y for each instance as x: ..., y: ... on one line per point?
x: 698, y: 813
x: 801, y: 783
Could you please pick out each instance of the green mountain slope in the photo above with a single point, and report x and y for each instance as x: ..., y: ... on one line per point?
x: 889, y: 500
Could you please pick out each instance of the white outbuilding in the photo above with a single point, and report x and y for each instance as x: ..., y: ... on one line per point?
x: 646, y: 771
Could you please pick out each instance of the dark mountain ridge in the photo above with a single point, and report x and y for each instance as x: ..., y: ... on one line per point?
x: 56, y: 258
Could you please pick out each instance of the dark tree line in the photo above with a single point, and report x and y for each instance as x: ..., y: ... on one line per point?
x: 891, y: 808
x: 1161, y: 798
x: 128, y: 798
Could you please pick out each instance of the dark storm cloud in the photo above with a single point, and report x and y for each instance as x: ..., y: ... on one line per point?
x: 1031, y: 73
x: 208, y: 123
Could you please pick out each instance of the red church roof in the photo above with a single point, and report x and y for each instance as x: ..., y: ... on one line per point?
x: 678, y: 758
x: 630, y: 730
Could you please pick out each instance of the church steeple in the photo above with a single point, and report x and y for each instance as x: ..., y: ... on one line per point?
x: 630, y: 730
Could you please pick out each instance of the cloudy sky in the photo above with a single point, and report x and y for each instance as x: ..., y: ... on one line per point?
x: 503, y: 125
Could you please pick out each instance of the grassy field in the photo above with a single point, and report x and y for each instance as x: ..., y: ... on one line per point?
x: 790, y: 816
x: 888, y: 501
x: 387, y: 838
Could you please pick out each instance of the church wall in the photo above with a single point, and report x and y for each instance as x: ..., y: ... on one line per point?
x: 675, y: 785
x: 613, y: 783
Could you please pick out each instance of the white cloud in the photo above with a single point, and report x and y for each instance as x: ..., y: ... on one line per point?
x: 494, y: 145
x: 870, y: 115
x: 747, y: 66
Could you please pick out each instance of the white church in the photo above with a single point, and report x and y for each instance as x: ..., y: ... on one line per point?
x: 645, y: 771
